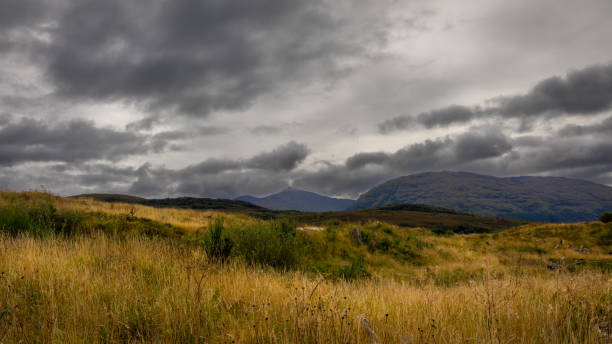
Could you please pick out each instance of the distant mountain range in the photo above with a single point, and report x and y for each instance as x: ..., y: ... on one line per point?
x: 547, y: 199
x: 294, y: 199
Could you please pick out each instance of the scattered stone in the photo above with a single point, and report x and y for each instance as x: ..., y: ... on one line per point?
x: 311, y: 228
x: 357, y: 235
x: 552, y: 265
x: 583, y: 249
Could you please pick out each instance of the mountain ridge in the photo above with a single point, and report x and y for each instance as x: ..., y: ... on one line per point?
x: 301, y: 200
x: 533, y: 198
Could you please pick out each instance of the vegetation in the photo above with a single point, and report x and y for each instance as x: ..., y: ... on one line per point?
x: 88, y: 271
x: 405, y: 215
x: 606, y: 217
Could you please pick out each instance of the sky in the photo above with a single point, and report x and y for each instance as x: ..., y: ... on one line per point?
x: 218, y: 98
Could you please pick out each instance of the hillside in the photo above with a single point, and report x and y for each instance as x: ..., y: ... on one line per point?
x: 293, y: 199
x: 142, y: 274
x: 404, y: 215
x: 225, y: 205
x: 545, y: 199
x: 414, y: 215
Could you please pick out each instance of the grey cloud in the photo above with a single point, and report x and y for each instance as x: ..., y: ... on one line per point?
x: 362, y: 159
x: 585, y: 91
x: 30, y: 140
x: 397, y: 123
x: 194, y: 57
x: 223, y: 177
x: 284, y: 158
x: 211, y: 166
x: 478, y: 145
x: 427, y: 154
x: 605, y: 127
x: 473, y: 145
x: 582, y: 92
x: 266, y: 130
x: 453, y: 114
x: 339, y: 180
x: 365, y: 170
x: 447, y: 116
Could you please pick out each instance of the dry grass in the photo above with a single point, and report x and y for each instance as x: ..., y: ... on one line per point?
x: 479, y: 288
x: 96, y: 289
x: 185, y: 218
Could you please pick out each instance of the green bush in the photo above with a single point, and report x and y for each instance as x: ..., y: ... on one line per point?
x: 353, y: 271
x: 218, y: 247
x: 606, y: 217
x: 39, y: 218
x: 276, y: 245
x: 462, y: 228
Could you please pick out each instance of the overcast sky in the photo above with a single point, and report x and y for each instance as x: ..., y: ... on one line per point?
x: 219, y: 98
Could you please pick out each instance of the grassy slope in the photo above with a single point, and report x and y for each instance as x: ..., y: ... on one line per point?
x: 407, y: 215
x: 149, y: 284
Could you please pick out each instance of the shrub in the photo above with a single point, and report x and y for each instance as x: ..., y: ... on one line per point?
x: 39, y: 218
x: 353, y: 271
x: 606, y: 217
x: 276, y: 245
x: 462, y: 228
x: 217, y: 246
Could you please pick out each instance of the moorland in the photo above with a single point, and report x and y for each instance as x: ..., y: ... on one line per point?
x: 82, y: 270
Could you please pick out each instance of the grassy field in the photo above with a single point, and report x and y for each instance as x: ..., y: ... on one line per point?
x: 80, y: 271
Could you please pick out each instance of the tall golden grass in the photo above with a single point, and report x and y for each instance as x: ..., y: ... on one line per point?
x: 97, y: 289
x: 481, y: 288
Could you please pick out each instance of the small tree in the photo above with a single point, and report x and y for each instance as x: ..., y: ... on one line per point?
x: 606, y: 217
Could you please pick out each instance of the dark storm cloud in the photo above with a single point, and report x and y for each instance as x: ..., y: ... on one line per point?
x: 448, y: 116
x: 194, y: 57
x: 223, y: 177
x: 363, y: 159
x: 605, y: 127
x: 403, y: 122
x: 454, y: 114
x: 16, y: 13
x: 283, y: 158
x: 582, y: 92
x: 585, y: 91
x: 30, y: 140
x: 478, y: 145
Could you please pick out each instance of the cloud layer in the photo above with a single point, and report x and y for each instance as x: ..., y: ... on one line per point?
x: 221, y: 98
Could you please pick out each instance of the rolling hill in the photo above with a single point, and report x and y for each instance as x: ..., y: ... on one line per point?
x: 294, y: 199
x: 550, y: 199
x: 220, y: 204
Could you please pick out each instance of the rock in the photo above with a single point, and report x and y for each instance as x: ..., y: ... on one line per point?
x: 583, y: 249
x: 552, y: 265
x: 357, y: 235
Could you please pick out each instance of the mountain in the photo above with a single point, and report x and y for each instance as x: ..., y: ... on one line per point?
x: 549, y: 199
x: 294, y: 199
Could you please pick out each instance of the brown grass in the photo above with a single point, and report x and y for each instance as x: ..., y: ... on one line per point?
x: 480, y: 288
x: 96, y: 289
